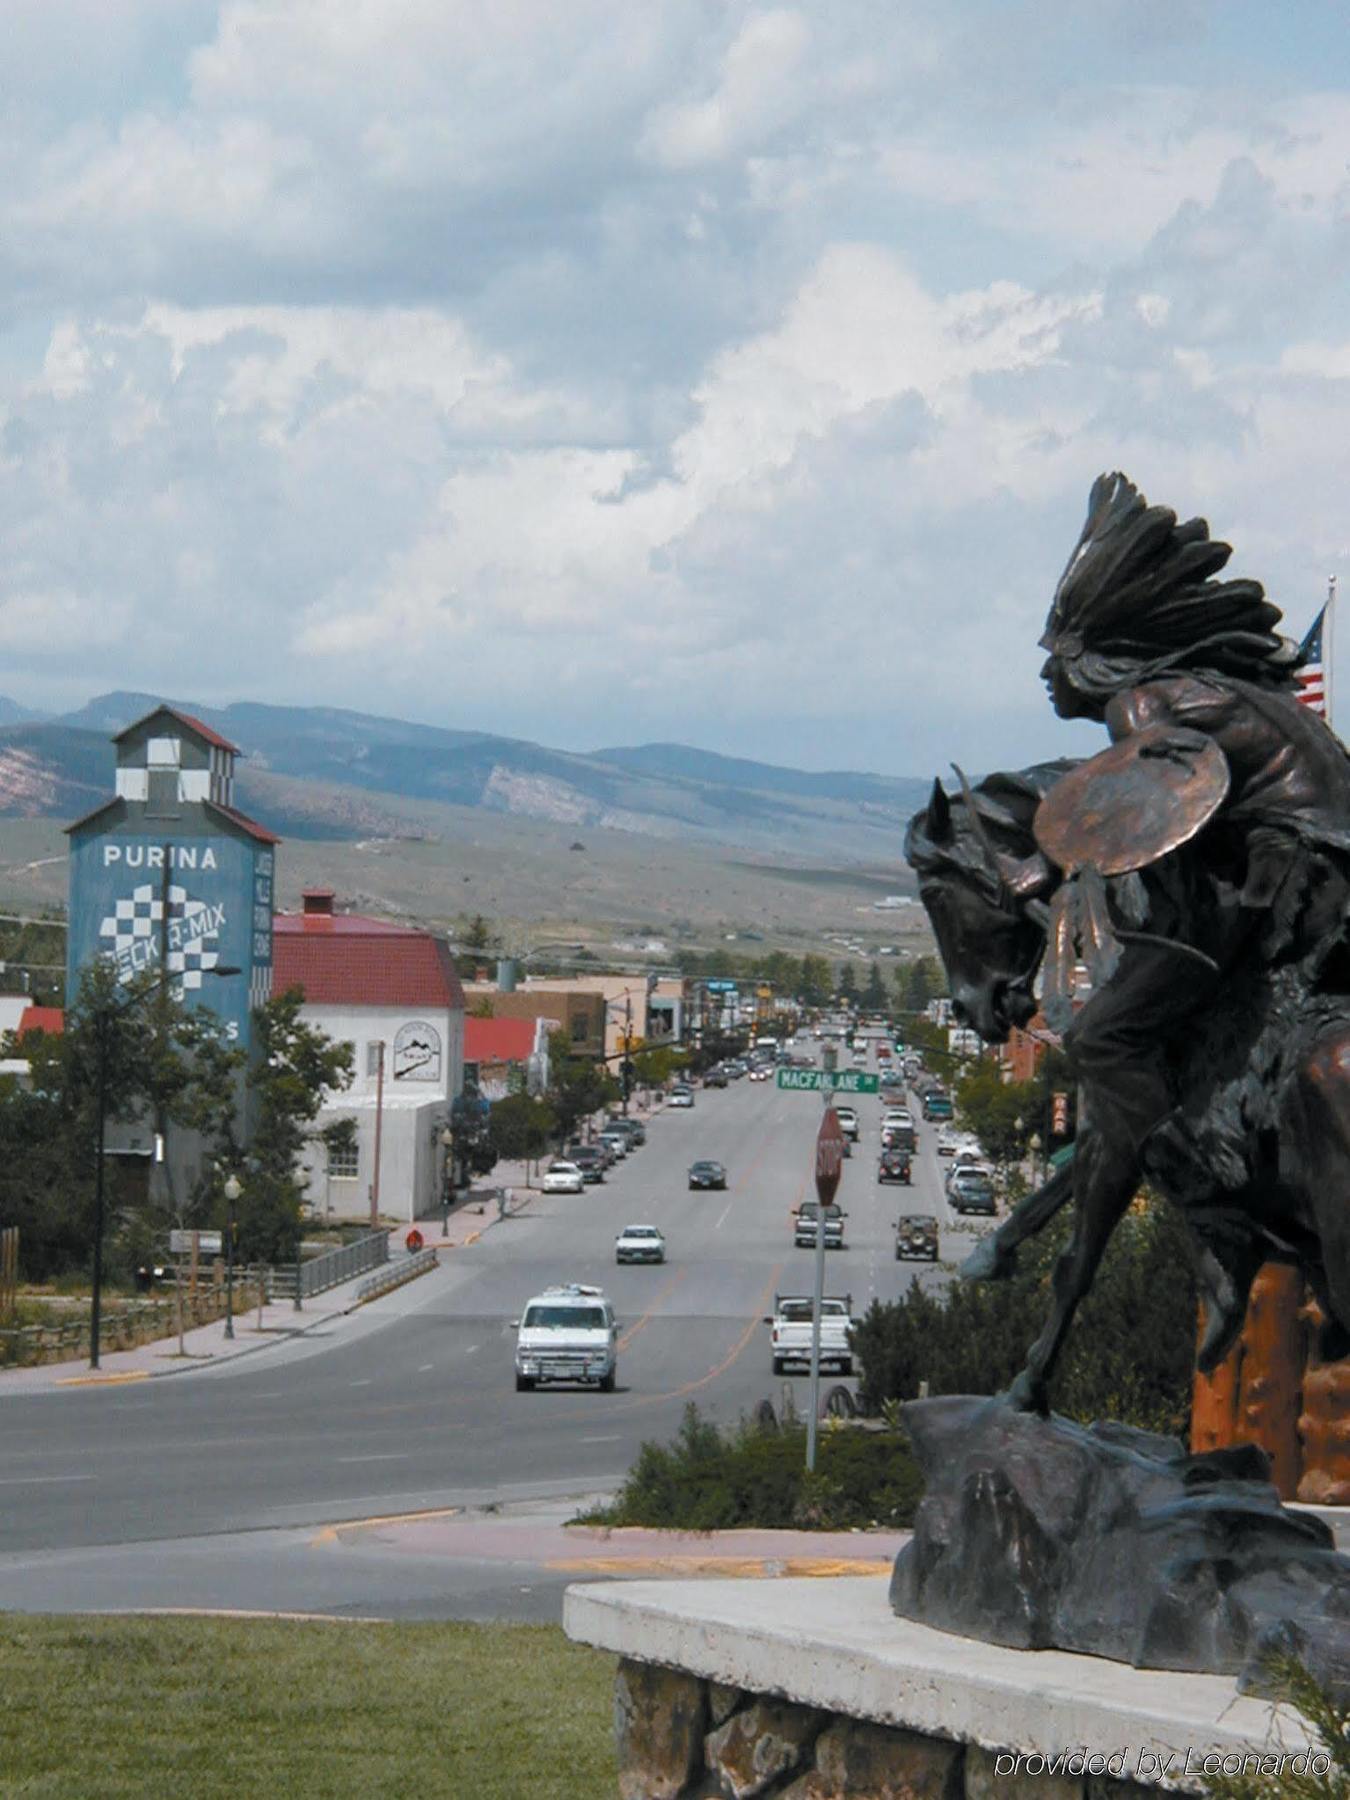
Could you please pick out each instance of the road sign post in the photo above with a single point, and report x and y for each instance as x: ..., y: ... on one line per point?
x: 829, y: 1081
x: 829, y: 1167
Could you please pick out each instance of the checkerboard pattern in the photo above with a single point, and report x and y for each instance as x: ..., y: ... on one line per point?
x: 138, y: 920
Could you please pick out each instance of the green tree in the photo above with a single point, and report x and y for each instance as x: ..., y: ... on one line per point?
x: 919, y: 986
x: 477, y: 934
x: 874, y: 996
x: 520, y: 1128
x: 577, y: 1087
x: 815, y: 985
x: 150, y: 1055
x: 293, y: 1069
x: 847, y: 987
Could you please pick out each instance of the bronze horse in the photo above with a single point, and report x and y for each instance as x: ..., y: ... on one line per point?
x: 1262, y: 1087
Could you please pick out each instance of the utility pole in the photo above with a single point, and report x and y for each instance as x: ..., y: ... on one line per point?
x: 379, y: 1127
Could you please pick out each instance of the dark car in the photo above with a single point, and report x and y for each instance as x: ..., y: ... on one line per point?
x: 895, y: 1166
x: 937, y: 1106
x: 590, y: 1159
x: 916, y: 1237
x: 715, y: 1078
x: 972, y: 1197
x: 707, y: 1175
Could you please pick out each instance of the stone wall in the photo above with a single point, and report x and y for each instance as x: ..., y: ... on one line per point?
x: 683, y: 1738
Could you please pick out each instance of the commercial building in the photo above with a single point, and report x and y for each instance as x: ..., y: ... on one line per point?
x: 167, y: 877
x: 506, y: 1056
x: 392, y: 993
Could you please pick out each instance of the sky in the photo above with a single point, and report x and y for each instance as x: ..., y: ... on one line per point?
x: 604, y: 373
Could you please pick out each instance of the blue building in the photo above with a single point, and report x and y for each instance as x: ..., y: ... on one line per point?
x: 168, y: 874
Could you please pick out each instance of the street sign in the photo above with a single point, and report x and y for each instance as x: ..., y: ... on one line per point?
x: 829, y: 1162
x: 833, y: 1081
x: 209, y: 1243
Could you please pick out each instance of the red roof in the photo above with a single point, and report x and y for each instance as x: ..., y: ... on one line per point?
x: 183, y: 718
x: 50, y: 1019
x: 499, y: 1040
x: 343, y: 959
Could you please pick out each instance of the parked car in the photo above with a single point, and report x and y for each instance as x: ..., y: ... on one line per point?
x: 895, y: 1166
x: 916, y: 1236
x: 705, y: 1174
x: 637, y: 1131
x: 680, y: 1096
x: 563, y: 1178
x: 715, y: 1078
x: 639, y: 1243
x: 590, y: 1159
x: 963, y: 1174
x: 947, y: 1142
x: 594, y: 1148
x: 808, y: 1222
x: 619, y: 1141
x: 972, y: 1191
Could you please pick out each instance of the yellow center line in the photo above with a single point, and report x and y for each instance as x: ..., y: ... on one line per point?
x: 669, y: 1287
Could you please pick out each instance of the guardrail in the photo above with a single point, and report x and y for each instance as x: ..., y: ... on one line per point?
x: 331, y: 1269
x: 394, y: 1274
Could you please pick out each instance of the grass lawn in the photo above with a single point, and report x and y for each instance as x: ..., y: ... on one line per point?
x: 162, y: 1708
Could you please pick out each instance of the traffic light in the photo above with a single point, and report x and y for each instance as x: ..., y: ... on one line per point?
x: 1059, y: 1115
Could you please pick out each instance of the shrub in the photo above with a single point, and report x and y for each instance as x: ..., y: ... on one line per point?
x: 753, y: 1474
x: 1129, y: 1355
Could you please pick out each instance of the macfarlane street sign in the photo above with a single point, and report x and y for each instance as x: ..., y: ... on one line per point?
x: 834, y: 1081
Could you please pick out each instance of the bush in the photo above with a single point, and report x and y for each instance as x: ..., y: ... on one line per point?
x: 1329, y: 1779
x: 1129, y: 1355
x: 709, y: 1479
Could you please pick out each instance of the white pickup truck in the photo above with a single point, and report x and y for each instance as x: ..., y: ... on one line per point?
x: 791, y: 1322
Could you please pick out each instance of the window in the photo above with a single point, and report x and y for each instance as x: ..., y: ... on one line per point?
x: 374, y: 1056
x: 581, y: 1028
x: 344, y: 1161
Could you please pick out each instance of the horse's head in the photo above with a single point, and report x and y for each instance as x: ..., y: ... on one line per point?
x: 968, y: 853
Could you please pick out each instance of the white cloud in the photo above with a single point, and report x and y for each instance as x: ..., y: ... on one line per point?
x: 580, y: 370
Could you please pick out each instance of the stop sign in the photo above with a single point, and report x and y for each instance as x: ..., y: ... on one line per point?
x: 829, y: 1156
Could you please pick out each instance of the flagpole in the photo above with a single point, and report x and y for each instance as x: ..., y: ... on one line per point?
x: 1328, y: 645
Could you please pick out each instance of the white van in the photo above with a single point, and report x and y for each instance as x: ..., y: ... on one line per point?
x: 567, y: 1333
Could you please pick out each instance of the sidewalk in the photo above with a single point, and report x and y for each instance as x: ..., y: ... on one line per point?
x: 208, y: 1347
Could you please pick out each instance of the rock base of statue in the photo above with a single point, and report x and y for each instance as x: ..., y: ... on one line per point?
x: 1041, y: 1534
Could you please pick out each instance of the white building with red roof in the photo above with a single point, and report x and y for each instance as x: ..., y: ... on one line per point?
x: 504, y: 1056
x: 392, y: 992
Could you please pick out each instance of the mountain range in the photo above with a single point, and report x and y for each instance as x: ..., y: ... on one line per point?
x: 323, y: 772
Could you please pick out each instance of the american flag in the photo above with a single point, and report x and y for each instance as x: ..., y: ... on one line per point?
x: 1311, y: 678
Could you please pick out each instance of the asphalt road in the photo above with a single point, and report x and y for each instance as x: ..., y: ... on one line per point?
x: 213, y: 1477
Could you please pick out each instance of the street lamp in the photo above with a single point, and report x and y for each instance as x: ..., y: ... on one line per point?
x: 233, y: 1189
x: 448, y: 1146
x: 104, y: 1018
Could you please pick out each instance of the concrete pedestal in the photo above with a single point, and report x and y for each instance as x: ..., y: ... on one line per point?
x: 813, y: 1688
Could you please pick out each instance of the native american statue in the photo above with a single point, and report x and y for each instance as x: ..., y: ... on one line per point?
x: 1200, y: 868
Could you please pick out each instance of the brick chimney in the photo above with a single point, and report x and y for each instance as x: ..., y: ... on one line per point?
x: 317, y: 907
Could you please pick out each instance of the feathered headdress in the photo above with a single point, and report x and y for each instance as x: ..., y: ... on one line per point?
x: 1138, y: 599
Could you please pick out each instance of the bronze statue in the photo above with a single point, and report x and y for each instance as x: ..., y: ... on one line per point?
x: 1200, y: 867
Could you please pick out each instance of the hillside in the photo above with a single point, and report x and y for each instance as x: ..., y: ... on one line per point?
x: 324, y: 772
